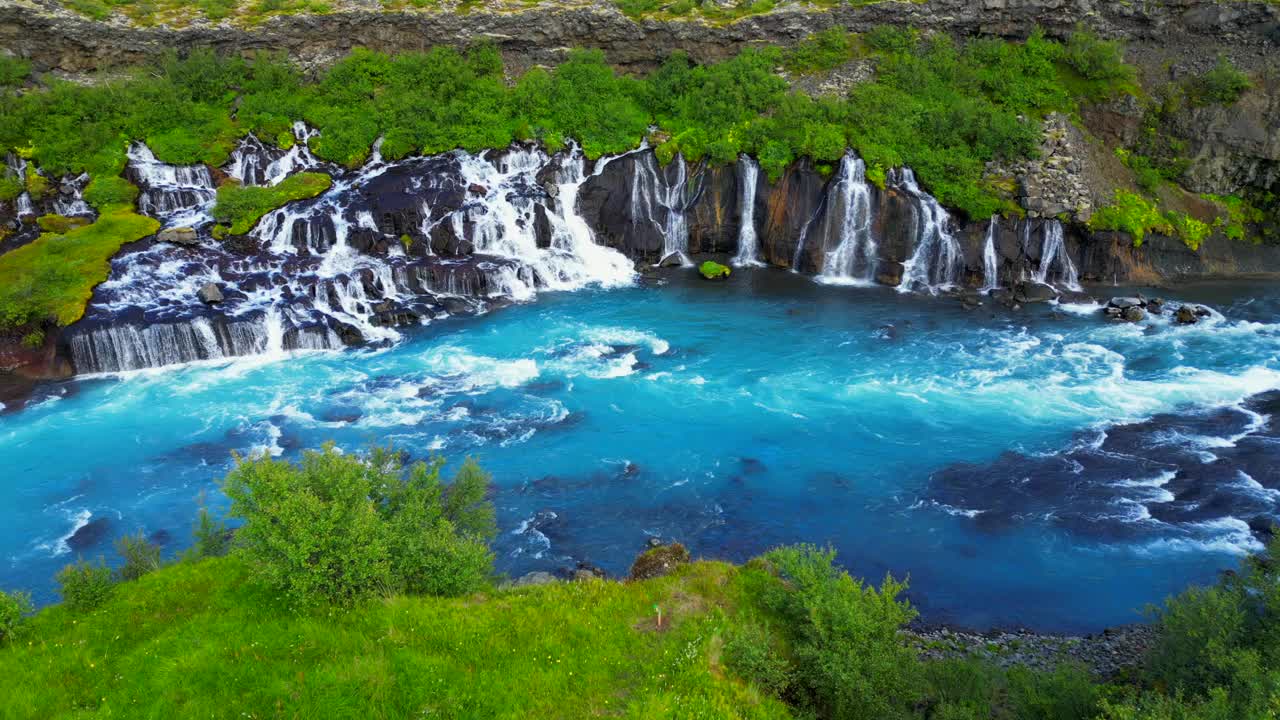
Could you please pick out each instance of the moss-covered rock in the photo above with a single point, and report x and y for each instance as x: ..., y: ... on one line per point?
x: 659, y: 561
x: 60, y: 224
x: 713, y: 270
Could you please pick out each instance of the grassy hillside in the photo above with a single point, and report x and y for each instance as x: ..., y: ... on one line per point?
x: 198, y: 640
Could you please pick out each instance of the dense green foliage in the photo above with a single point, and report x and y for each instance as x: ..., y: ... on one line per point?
x: 240, y: 207
x: 821, y: 51
x: 339, y: 528
x: 85, y: 586
x: 107, y: 190
x: 944, y: 109
x: 14, y: 608
x: 52, y: 278
x: 1137, y: 216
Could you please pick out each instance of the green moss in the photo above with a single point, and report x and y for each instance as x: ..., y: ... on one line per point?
x: 1236, y: 215
x: 822, y: 51
x: 59, y: 224
x: 240, y: 207
x: 713, y: 270
x: 1130, y: 213
x: 52, y: 278
x: 37, y: 185
x: 1190, y: 231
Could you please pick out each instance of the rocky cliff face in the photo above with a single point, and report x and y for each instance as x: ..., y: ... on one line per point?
x: 56, y: 39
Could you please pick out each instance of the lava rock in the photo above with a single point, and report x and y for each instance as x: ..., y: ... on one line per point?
x: 179, y: 236
x: 1034, y: 292
x: 1125, y: 303
x: 1186, y: 315
x: 1133, y: 314
x: 534, y: 578
x: 889, y: 272
x: 209, y: 294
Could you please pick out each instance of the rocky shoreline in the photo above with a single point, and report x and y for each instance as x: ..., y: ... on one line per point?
x: 1104, y: 654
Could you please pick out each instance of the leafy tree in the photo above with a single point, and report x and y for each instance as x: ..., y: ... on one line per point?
x: 141, y: 556
x: 342, y: 527
x: 14, y: 607
x: 85, y: 586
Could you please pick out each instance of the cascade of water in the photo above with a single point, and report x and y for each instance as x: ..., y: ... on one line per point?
x: 1053, y: 251
x: 853, y: 261
x: 990, y: 263
x: 330, y: 271
x: 649, y: 188
x: 25, y: 207
x: 69, y: 200
x: 16, y: 167
x: 936, y: 262
x: 254, y: 163
x: 177, y: 195
x: 748, y: 245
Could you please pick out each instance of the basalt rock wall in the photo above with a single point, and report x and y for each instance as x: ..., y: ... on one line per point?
x: 58, y: 39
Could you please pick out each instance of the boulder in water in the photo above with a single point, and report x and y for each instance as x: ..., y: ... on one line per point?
x: 671, y: 260
x: 1186, y: 315
x: 889, y: 272
x: 209, y: 294
x: 1034, y: 292
x: 179, y: 236
x: 534, y: 578
x: 1133, y: 314
x: 710, y: 270
x: 90, y: 534
x: 1125, y: 303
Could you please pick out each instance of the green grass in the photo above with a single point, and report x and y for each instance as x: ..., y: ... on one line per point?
x: 201, y: 640
x: 51, y: 279
x: 240, y: 207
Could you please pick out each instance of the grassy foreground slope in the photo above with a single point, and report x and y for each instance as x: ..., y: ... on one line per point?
x: 199, y: 640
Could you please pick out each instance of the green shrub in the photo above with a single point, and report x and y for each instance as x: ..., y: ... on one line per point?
x: 850, y: 661
x: 341, y: 527
x: 14, y: 608
x: 240, y: 207
x: 1097, y: 59
x: 10, y: 188
x: 821, y: 51
x: 751, y: 652
x: 141, y: 556
x: 14, y: 71
x: 37, y: 185
x: 212, y: 538
x: 1224, y: 84
x: 85, y: 586
x: 1066, y: 693
x: 1130, y: 213
x: 1189, y: 230
x: 1236, y: 215
x: 109, y: 191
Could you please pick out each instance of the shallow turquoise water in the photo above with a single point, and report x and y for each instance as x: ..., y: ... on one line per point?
x: 733, y: 417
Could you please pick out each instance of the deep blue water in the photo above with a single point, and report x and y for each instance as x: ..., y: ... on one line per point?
x: 735, y: 417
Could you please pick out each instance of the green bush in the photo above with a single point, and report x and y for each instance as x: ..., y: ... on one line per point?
x: 14, y: 608
x: 212, y: 538
x: 10, y: 188
x: 1190, y: 231
x: 1224, y: 84
x: 821, y: 51
x: 751, y: 652
x: 1133, y: 214
x: 140, y: 556
x: 850, y: 661
x: 85, y: 586
x: 341, y: 527
x: 14, y: 71
x: 1097, y: 59
x: 109, y: 191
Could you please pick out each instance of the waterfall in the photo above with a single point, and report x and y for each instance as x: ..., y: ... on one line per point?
x: 178, y: 195
x: 69, y: 199
x: 1053, y: 251
x: 649, y: 189
x: 330, y: 271
x: 17, y: 168
x: 748, y: 246
x: 25, y: 208
x: 853, y: 261
x: 254, y: 163
x: 990, y: 262
x: 936, y: 262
